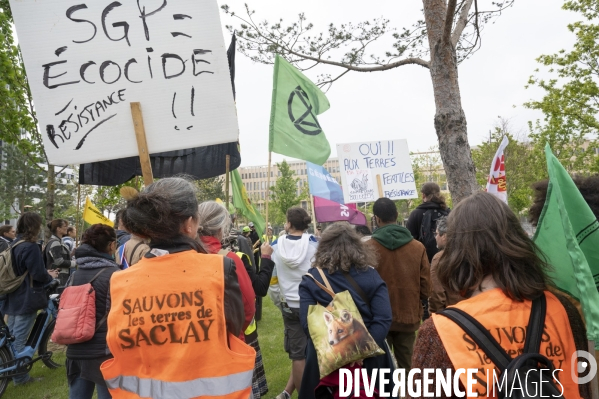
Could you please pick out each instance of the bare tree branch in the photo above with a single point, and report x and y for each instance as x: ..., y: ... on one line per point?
x: 18, y: 212
x: 406, y: 61
x: 449, y: 16
x: 60, y: 171
x: 345, y: 45
x: 461, y: 23
x: 330, y: 81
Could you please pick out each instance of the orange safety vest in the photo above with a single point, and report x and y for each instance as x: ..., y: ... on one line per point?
x: 167, y: 332
x: 506, y: 320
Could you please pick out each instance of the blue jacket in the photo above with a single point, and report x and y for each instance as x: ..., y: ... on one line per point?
x: 377, y: 317
x: 27, y: 298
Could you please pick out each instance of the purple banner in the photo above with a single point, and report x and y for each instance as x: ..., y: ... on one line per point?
x: 330, y: 211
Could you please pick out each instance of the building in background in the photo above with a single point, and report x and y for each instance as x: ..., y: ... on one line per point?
x: 255, y: 179
x: 427, y: 167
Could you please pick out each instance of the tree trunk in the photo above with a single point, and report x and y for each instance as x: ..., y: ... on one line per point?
x: 50, y: 189
x: 450, y: 120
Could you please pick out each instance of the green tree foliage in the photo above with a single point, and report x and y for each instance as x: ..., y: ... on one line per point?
x: 211, y: 189
x: 19, y: 122
x: 571, y: 99
x: 283, y: 195
x: 20, y: 183
x: 15, y: 106
x: 108, y: 199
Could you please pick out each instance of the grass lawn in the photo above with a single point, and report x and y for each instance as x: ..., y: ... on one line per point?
x: 270, y: 330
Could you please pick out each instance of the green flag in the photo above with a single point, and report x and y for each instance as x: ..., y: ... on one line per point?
x: 243, y: 203
x: 294, y: 128
x: 568, y: 234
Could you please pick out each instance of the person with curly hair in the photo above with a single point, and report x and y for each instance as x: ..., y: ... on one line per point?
x: 349, y: 265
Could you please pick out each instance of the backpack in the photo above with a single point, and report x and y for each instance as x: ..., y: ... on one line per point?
x: 528, y: 364
x: 428, y: 229
x: 76, y: 320
x: 122, y: 260
x: 9, y: 281
x: 48, y: 260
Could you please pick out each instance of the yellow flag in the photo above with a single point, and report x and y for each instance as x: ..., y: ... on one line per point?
x: 92, y: 215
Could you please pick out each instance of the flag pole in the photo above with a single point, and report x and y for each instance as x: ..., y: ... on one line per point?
x: 313, y: 213
x: 227, y: 166
x: 78, y: 210
x: 267, y: 196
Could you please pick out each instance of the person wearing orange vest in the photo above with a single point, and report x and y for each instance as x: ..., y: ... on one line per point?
x: 491, y: 261
x: 176, y: 315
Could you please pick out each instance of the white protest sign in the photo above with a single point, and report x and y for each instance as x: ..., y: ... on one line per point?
x: 364, y: 164
x: 86, y: 61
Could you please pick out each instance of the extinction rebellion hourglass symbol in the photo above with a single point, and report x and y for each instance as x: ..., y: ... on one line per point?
x: 306, y: 121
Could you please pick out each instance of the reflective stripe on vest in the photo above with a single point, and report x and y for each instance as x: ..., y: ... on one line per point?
x: 156, y: 389
x: 242, y: 254
x: 251, y: 328
x: 272, y: 239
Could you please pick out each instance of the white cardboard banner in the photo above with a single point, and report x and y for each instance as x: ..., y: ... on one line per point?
x: 87, y: 61
x: 364, y: 164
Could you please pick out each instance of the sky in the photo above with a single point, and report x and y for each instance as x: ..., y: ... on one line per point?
x: 399, y: 103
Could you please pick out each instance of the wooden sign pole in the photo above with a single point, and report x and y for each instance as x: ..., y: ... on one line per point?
x: 227, y: 166
x: 267, y: 192
x: 314, y: 222
x: 379, y: 184
x: 142, y: 145
x: 79, y: 231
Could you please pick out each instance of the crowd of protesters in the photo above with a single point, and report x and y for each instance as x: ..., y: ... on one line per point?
x: 176, y: 291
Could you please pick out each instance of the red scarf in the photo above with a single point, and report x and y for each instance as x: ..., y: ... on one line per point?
x: 212, y: 244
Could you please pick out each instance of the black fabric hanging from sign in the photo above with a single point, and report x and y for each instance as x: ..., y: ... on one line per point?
x: 200, y: 162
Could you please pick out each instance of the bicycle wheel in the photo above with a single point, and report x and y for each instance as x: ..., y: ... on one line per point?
x: 48, y: 346
x: 5, y: 356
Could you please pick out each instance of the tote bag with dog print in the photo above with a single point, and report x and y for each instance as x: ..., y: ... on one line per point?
x: 338, y: 331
